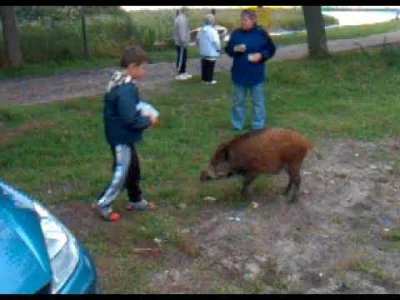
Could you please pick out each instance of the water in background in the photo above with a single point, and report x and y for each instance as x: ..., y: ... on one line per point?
x: 351, y: 18
x: 347, y: 18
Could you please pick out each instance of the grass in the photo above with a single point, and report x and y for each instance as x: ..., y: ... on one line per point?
x: 52, y: 68
x: 286, y: 19
x: 101, y: 56
x: 57, y: 152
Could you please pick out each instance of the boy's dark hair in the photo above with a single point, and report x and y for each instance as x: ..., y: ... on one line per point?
x: 133, y: 55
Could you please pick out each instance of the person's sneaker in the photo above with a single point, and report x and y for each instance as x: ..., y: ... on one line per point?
x: 106, y: 213
x: 181, y: 77
x: 211, y: 82
x: 141, y: 206
x: 187, y: 75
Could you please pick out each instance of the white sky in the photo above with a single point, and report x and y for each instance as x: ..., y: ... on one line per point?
x: 216, y: 7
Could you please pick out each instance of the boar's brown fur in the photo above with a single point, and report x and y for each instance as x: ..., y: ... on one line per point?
x: 265, y: 151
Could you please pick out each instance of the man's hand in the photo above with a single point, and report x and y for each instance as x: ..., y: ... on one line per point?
x: 240, y: 48
x: 255, y: 58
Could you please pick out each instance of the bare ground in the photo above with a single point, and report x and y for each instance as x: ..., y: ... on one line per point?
x: 93, y: 82
x: 341, y: 237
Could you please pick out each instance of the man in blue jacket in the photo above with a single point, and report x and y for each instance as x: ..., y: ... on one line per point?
x: 250, y: 47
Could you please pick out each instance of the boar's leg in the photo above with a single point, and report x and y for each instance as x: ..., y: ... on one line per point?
x: 296, y: 182
x: 294, y: 175
x: 288, y: 187
x: 247, y: 180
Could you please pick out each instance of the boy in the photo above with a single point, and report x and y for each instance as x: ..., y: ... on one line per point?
x: 123, y: 128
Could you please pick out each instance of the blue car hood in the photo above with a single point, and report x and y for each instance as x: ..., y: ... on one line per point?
x: 24, y: 261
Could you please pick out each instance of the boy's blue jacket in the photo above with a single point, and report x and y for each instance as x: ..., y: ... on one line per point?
x: 243, y: 71
x: 122, y: 121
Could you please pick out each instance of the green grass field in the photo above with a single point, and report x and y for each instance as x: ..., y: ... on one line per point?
x: 57, y: 152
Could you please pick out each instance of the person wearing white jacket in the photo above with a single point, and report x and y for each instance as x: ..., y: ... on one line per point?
x: 210, y: 48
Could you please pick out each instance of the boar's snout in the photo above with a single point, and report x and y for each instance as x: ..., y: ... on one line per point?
x: 211, y: 174
x: 204, y: 176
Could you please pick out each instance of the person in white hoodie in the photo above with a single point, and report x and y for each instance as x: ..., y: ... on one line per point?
x: 210, y: 48
x: 182, y: 40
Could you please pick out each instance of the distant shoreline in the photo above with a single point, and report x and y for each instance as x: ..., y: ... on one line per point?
x: 324, y: 8
x: 363, y: 9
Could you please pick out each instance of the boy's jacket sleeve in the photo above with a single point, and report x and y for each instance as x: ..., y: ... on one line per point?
x: 128, y: 99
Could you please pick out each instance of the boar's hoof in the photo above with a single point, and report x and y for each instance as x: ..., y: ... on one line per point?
x: 293, y: 199
x: 245, y: 195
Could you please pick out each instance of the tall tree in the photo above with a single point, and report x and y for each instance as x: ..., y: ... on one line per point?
x: 84, y: 32
x: 316, y: 35
x: 11, y: 36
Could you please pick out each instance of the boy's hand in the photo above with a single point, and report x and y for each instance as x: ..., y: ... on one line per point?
x: 155, y: 122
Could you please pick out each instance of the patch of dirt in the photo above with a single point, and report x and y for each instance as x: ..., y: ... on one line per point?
x: 328, y: 242
x: 333, y: 240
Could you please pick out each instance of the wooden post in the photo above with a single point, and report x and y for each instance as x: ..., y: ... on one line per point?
x: 84, y: 33
x: 11, y: 36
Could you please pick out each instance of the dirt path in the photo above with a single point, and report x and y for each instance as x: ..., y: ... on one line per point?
x: 339, y: 238
x: 93, y: 82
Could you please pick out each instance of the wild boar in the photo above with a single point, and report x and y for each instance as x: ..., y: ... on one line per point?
x: 264, y: 151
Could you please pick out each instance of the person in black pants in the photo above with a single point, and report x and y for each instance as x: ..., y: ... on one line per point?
x: 182, y: 39
x: 210, y: 48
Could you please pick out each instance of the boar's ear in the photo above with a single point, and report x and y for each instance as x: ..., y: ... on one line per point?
x: 226, y: 153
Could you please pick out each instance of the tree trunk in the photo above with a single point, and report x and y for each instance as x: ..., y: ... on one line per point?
x: 11, y: 36
x: 316, y: 35
x: 84, y: 33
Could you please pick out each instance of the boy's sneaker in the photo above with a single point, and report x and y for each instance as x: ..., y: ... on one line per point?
x: 141, y: 206
x: 187, y: 75
x: 106, y: 213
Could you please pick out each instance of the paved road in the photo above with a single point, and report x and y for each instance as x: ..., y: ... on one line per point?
x: 93, y: 82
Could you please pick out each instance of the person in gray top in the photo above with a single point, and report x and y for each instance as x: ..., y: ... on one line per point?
x: 182, y: 40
